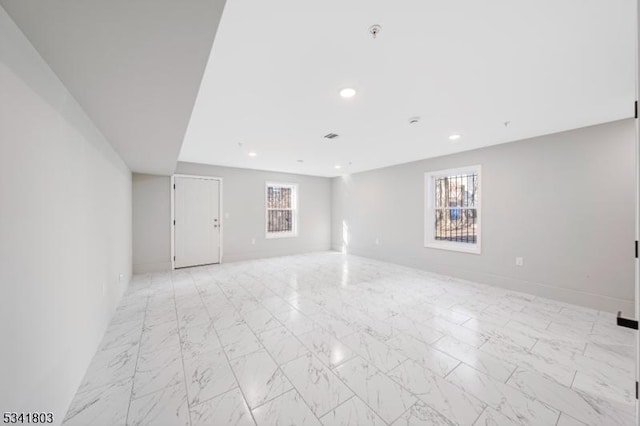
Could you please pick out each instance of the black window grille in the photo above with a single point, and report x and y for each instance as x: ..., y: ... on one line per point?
x: 280, y: 209
x: 456, y: 208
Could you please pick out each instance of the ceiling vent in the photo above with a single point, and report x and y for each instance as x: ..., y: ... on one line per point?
x: 331, y: 136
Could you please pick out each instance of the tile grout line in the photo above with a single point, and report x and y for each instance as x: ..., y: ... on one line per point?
x: 512, y: 373
x: 313, y: 298
x: 278, y: 367
x: 135, y: 369
x: 200, y: 402
x: 452, y: 370
x: 246, y: 402
x: 481, y: 413
x: 420, y: 399
x: 378, y: 371
x: 409, y: 409
x: 558, y: 419
x: 184, y: 370
x: 331, y: 370
x: 505, y: 383
x: 573, y: 380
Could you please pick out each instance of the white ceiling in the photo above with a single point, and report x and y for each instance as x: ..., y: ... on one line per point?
x: 464, y: 66
x: 134, y: 66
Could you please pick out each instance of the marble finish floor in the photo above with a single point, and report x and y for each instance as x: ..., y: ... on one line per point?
x: 330, y: 339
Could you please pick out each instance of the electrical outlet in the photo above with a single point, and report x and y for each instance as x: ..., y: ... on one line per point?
x: 253, y: 241
x: 121, y: 277
x: 519, y: 261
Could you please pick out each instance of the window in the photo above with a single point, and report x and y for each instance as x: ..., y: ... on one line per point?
x: 452, y: 209
x: 281, y: 210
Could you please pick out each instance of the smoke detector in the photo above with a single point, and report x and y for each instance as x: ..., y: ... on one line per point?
x: 414, y: 120
x: 374, y: 30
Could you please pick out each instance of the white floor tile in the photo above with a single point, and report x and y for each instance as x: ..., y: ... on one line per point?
x: 505, y: 399
x: 260, y: 320
x: 566, y: 420
x: 353, y: 412
x: 423, y: 354
x: 208, y: 375
x: 106, y: 405
x: 481, y: 361
x: 157, y: 370
x: 125, y: 334
x: 491, y: 417
x: 259, y: 377
x: 420, y: 414
x: 320, y: 388
x: 239, y: 340
x: 296, y: 322
x: 286, y: 410
x: 384, y: 396
x: 199, y: 339
x: 226, y: 409
x: 158, y: 337
x: 282, y: 345
x: 305, y: 332
x: 110, y: 366
x: 326, y: 347
x: 167, y: 407
x: 587, y: 408
x: 374, y: 351
x: 450, y: 401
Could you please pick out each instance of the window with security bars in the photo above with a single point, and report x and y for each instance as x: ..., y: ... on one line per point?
x: 452, y: 213
x: 281, y: 210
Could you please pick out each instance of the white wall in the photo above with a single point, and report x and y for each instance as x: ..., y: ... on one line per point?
x: 564, y: 202
x: 65, y: 232
x: 243, y: 203
x: 151, y: 223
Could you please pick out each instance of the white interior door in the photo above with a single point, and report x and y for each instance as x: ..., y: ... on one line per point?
x: 197, y: 221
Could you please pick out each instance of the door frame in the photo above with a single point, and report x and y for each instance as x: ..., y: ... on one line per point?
x: 172, y: 223
x: 637, y: 207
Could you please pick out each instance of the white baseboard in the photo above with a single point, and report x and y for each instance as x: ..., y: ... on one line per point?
x: 562, y: 294
x: 145, y: 268
x: 264, y: 254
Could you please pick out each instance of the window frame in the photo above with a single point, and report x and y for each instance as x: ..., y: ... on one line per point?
x: 294, y: 210
x: 430, y: 208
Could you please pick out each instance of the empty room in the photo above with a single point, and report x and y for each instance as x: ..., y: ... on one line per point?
x: 335, y: 213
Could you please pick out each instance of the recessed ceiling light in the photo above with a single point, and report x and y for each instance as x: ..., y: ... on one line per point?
x: 348, y: 92
x: 337, y: 166
x: 454, y: 137
x: 252, y: 154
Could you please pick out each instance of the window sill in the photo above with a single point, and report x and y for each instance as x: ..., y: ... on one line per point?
x: 459, y: 247
x: 281, y: 235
